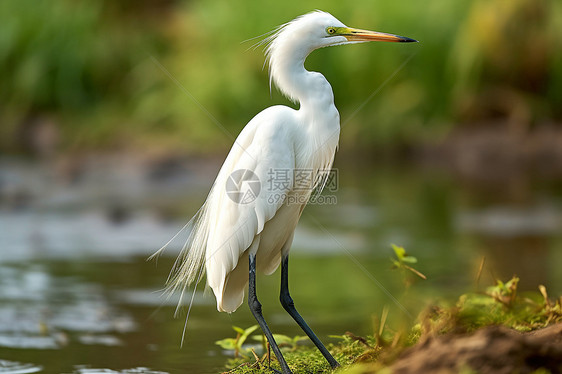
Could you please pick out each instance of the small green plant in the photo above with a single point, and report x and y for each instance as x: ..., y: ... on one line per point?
x: 552, y: 309
x: 402, y: 260
x: 235, y: 344
x: 284, y: 340
x: 504, y: 293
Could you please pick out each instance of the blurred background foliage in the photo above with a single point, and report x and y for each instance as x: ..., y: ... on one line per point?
x: 161, y: 75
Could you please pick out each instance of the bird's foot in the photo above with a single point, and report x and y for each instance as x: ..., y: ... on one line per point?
x: 287, y: 371
x: 335, y: 365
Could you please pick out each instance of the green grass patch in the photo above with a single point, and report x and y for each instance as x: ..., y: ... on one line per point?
x: 500, y: 304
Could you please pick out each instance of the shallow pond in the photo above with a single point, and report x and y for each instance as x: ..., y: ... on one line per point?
x: 77, y: 294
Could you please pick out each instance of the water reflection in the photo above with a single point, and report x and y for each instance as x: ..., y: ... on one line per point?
x: 139, y: 370
x: 42, y: 311
x: 525, y: 256
x: 10, y: 367
x: 516, y: 241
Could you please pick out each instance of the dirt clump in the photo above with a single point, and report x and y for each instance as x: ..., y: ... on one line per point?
x: 493, y: 349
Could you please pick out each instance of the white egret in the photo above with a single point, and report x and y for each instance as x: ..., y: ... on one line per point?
x: 248, y: 220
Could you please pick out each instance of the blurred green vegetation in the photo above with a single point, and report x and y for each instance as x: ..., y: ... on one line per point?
x: 91, y: 74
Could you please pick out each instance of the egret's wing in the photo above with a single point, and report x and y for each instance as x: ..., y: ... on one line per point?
x: 226, y: 226
x: 266, y: 162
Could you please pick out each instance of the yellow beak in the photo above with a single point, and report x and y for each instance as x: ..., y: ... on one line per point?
x: 357, y: 35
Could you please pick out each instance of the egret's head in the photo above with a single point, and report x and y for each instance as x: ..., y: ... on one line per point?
x: 320, y: 29
x: 290, y: 44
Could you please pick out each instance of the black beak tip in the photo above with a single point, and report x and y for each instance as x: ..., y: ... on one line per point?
x: 408, y: 40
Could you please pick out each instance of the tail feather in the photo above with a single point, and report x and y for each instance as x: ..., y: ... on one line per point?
x: 189, y: 265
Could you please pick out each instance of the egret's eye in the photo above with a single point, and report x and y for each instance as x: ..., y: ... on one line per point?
x: 331, y: 30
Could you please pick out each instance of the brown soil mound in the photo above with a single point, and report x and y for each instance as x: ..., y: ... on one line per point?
x: 494, y: 349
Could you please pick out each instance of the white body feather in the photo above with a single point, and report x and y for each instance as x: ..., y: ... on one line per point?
x: 225, y: 232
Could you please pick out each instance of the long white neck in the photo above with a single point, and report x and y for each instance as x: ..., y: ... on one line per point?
x: 317, y: 110
x: 310, y: 89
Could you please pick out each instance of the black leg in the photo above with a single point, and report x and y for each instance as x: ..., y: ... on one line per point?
x: 289, y: 306
x: 255, y: 308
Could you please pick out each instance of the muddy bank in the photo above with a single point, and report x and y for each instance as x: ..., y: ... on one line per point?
x: 494, y: 349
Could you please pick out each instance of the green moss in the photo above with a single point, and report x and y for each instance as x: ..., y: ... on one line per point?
x: 307, y: 359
